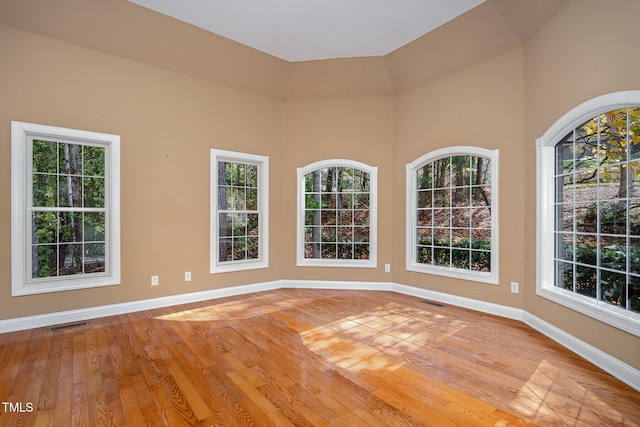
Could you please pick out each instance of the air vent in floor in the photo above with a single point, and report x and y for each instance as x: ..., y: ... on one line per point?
x: 66, y: 326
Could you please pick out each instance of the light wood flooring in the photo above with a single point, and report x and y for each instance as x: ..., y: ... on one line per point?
x: 294, y: 357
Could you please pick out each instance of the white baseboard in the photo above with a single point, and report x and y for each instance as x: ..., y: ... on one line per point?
x: 49, y: 319
x: 625, y: 373
x: 482, y: 306
x: 615, y: 367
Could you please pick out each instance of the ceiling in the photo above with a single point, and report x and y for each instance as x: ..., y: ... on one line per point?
x: 295, y: 30
x: 127, y: 30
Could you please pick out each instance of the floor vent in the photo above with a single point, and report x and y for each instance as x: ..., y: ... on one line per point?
x: 66, y: 326
x: 437, y: 304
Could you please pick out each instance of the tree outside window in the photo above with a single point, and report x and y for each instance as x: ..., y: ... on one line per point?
x: 452, y: 213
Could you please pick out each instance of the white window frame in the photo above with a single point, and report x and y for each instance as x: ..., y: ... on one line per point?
x: 262, y: 162
x: 21, y: 166
x: 412, y: 168
x: 372, y: 262
x: 545, y: 239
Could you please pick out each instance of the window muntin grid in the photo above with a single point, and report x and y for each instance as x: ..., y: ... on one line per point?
x: 238, y: 211
x: 597, y: 210
x: 67, y: 210
x: 337, y: 213
x: 453, y: 222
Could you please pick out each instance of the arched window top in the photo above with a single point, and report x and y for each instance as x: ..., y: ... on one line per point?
x: 452, y: 151
x: 337, y: 214
x: 588, y: 229
x: 586, y: 111
x: 452, y: 214
x: 337, y: 163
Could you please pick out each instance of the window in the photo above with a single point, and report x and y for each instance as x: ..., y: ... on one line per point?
x: 452, y: 214
x: 589, y: 210
x: 337, y: 214
x: 239, y: 211
x: 65, y: 209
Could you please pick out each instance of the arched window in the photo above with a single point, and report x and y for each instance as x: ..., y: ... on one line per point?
x: 452, y: 214
x: 589, y: 210
x: 337, y: 214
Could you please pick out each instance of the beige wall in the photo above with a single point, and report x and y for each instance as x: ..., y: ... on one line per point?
x: 481, y: 106
x: 587, y: 50
x: 167, y: 123
x: 353, y: 129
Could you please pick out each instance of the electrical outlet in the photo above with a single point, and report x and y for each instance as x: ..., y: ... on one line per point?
x: 387, y: 268
x: 187, y: 276
x: 515, y: 287
x: 154, y: 281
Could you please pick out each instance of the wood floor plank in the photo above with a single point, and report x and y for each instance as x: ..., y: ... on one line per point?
x: 305, y: 357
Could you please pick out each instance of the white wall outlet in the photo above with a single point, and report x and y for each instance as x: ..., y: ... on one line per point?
x: 515, y: 287
x: 387, y: 268
x: 187, y: 276
x: 154, y: 281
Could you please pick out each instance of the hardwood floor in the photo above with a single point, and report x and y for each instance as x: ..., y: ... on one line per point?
x: 304, y: 358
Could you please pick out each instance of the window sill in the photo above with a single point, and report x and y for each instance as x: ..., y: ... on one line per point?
x: 472, y: 276
x: 599, y: 310
x: 336, y: 263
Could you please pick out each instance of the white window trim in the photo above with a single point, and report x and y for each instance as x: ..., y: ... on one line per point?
x: 262, y: 261
x: 20, y: 184
x: 545, y: 157
x: 372, y: 262
x: 411, y: 220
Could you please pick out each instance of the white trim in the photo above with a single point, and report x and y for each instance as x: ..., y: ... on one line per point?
x: 372, y: 262
x: 625, y: 373
x: 545, y: 160
x: 21, y: 284
x: 472, y: 304
x: 263, y: 212
x: 613, y: 366
x: 492, y: 277
x: 328, y: 284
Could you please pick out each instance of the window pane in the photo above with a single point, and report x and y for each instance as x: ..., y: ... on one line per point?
x: 45, y: 190
x: 70, y: 187
x: 586, y: 280
x: 424, y: 178
x: 71, y: 227
x: 564, y: 275
x: 461, y: 259
x: 442, y: 237
x: 94, y: 258
x: 94, y: 161
x: 613, y: 253
x: 634, y: 293
x: 239, y: 248
x: 634, y: 255
x: 481, y: 261
x: 460, y: 238
x: 424, y: 218
x: 225, y: 225
x: 424, y: 199
x: 361, y: 234
x: 613, y: 288
x: 252, y: 199
x: 424, y: 255
x: 94, y: 192
x: 94, y: 226
x: 44, y: 227
x: 70, y: 259
x: 70, y: 159
x: 442, y: 173
x: 442, y: 257
x: 45, y: 156
x: 45, y: 261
